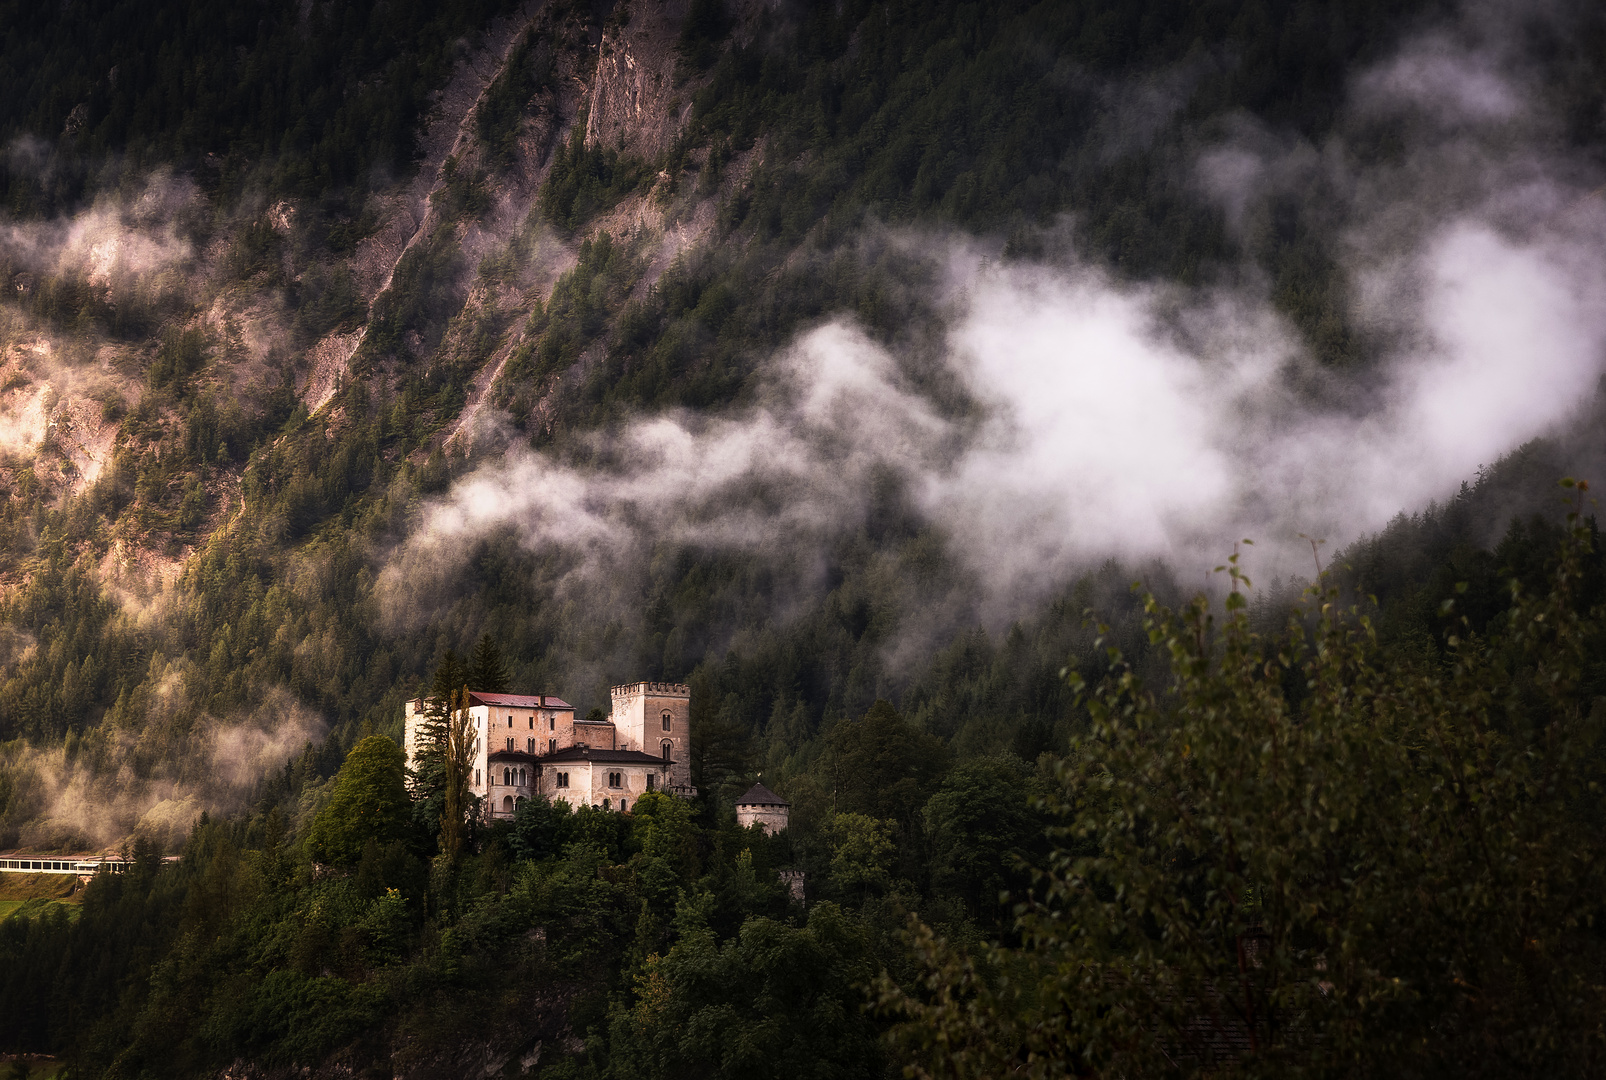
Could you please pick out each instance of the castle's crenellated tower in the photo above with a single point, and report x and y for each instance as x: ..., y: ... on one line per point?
x: 655, y: 718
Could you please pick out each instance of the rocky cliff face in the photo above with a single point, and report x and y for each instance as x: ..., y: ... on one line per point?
x: 73, y: 398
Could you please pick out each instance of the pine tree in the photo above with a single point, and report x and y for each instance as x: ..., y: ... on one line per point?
x: 459, y: 755
x: 487, y: 669
x: 428, y: 774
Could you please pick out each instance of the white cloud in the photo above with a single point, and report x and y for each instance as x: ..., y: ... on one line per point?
x: 1142, y: 421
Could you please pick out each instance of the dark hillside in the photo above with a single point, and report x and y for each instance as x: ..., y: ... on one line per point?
x: 640, y: 341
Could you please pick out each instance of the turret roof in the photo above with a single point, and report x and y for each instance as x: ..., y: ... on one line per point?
x: 761, y: 796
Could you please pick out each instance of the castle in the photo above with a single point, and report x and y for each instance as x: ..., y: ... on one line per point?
x: 531, y: 744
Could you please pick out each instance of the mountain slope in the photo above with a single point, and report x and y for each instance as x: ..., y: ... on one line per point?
x: 233, y: 389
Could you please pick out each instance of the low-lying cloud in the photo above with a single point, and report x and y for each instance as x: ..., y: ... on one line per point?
x: 1143, y: 421
x: 92, y: 794
x: 123, y: 239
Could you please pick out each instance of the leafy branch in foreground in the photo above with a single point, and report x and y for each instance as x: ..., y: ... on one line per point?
x: 1308, y: 857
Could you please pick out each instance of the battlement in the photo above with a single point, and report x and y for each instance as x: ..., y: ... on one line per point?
x: 660, y: 689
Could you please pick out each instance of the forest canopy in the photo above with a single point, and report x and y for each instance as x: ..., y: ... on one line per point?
x: 354, y: 354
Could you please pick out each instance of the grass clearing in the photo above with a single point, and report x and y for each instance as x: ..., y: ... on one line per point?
x: 28, y: 909
x: 64, y: 887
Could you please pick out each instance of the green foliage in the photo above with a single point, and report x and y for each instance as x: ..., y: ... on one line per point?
x: 426, y: 289
x: 487, y: 669
x: 540, y: 828
x: 706, y: 24
x: 331, y: 94
x: 327, y: 300
x: 464, y: 195
x: 1390, y: 871
x: 981, y: 826
x: 182, y: 354
x: 861, y: 852
x: 369, y: 804
x: 574, y: 316
x: 500, y: 112
x: 773, y: 1001
x: 881, y: 765
x: 587, y: 180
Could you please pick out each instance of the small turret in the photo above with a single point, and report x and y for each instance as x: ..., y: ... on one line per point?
x: 762, y: 806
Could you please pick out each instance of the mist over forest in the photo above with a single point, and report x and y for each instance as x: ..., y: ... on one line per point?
x: 1097, y: 461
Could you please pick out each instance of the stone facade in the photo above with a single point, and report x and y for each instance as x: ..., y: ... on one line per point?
x: 655, y: 718
x: 527, y: 744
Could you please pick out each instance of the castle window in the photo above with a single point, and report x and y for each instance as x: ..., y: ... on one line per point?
x: 530, y: 745
x: 507, y: 804
x: 614, y: 779
x: 476, y: 778
x: 532, y: 722
x: 563, y: 779
x: 510, y: 742
x: 668, y: 746
x: 507, y: 777
x: 666, y: 721
x: 605, y: 804
x: 552, y: 746
x: 621, y: 806
x: 509, y: 719
x: 552, y: 722
x: 650, y: 779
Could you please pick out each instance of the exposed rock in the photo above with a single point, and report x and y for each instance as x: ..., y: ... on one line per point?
x: 635, y: 105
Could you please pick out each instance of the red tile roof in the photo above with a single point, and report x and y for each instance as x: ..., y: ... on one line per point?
x: 519, y: 701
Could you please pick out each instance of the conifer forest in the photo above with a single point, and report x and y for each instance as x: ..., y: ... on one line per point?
x: 1122, y: 472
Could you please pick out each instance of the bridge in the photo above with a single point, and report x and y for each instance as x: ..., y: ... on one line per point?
x: 80, y: 867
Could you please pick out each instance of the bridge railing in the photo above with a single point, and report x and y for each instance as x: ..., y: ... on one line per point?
x: 59, y: 866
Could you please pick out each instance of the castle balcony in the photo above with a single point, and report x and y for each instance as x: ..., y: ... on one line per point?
x: 513, y: 775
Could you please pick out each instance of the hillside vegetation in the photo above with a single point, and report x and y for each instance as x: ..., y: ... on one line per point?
x: 281, y: 276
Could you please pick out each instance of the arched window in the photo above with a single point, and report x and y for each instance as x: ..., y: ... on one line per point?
x: 507, y: 779
x: 605, y: 804
x: 530, y: 744
x: 507, y: 804
x: 523, y: 778
x: 510, y: 742
x: 552, y: 746
x: 621, y: 806
x: 668, y: 746
x: 650, y: 779
x: 666, y: 721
